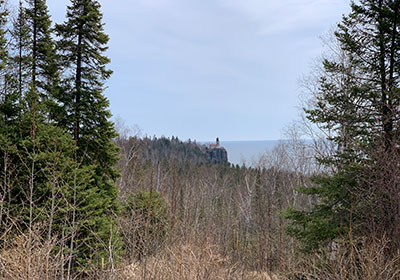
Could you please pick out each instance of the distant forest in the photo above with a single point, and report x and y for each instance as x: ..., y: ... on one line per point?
x: 165, y: 149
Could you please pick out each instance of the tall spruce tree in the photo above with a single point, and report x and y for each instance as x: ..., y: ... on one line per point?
x: 36, y: 76
x: 57, y: 155
x: 9, y: 111
x: 40, y: 179
x: 82, y: 43
x: 41, y: 156
x: 8, y: 97
x: 20, y: 48
x: 358, y: 101
x: 44, y: 68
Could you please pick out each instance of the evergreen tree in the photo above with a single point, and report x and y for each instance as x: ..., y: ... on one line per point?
x: 21, y: 40
x: 82, y: 45
x: 47, y: 182
x: 36, y: 75
x: 56, y: 148
x: 8, y: 97
x: 9, y: 111
x: 44, y: 63
x: 357, y: 102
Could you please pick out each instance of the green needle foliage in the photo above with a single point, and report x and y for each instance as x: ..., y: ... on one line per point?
x: 82, y: 42
x: 20, y: 47
x: 357, y: 105
x: 57, y: 152
x: 9, y: 112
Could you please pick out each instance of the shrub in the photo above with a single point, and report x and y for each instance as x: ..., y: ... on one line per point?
x: 144, y: 224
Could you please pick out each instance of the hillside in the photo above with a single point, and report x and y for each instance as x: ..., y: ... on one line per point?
x: 170, y: 150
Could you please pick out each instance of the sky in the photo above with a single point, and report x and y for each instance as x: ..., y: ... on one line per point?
x: 202, y: 69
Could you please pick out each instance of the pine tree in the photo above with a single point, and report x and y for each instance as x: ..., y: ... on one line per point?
x: 9, y: 111
x: 47, y: 180
x: 44, y: 68
x: 36, y: 75
x: 21, y: 40
x: 8, y: 97
x: 357, y: 102
x: 53, y: 175
x: 82, y: 43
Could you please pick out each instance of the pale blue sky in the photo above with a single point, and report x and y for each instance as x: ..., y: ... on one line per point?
x: 205, y: 68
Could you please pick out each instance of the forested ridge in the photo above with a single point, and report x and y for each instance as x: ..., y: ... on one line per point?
x: 166, y: 149
x: 80, y: 201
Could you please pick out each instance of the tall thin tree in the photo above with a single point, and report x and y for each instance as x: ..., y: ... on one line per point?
x: 82, y: 43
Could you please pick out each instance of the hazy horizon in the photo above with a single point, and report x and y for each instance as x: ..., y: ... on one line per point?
x: 247, y: 152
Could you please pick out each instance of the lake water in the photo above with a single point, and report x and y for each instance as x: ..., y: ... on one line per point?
x: 247, y: 152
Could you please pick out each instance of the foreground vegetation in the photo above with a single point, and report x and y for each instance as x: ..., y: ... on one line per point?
x: 77, y: 201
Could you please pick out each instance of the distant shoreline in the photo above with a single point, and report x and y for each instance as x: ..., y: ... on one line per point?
x: 247, y: 152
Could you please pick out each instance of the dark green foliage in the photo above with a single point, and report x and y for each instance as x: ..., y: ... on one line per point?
x: 43, y: 159
x: 53, y: 175
x: 44, y: 59
x: 20, y: 46
x: 82, y: 43
x: 357, y: 106
x: 37, y: 146
x: 159, y: 149
x: 165, y: 149
x: 8, y: 95
x: 330, y: 217
x: 34, y: 57
x: 8, y: 119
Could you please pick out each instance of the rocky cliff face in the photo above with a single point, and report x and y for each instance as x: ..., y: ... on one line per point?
x: 218, y: 154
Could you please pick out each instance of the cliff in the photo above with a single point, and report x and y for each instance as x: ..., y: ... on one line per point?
x: 217, y: 153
